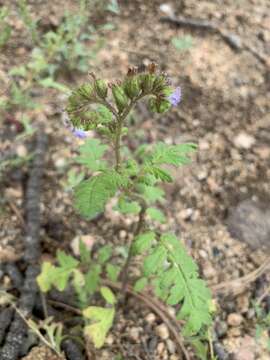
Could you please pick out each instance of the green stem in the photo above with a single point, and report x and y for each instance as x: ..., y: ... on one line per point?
x: 140, y: 224
x: 120, y: 118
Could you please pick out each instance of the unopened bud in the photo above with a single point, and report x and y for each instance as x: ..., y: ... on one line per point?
x: 101, y: 88
x: 163, y: 106
x: 147, y: 81
x: 131, y: 87
x: 120, y: 97
x: 159, y: 84
x: 86, y: 91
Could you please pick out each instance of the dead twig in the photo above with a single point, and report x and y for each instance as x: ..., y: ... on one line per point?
x: 239, y: 285
x: 160, y: 311
x: 264, y: 294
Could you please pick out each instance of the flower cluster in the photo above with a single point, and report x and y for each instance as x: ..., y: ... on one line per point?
x: 118, y: 97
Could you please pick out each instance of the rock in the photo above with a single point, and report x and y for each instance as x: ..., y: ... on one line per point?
x: 171, y: 346
x: 263, y: 152
x: 160, y: 348
x: 42, y: 353
x: 150, y: 318
x: 21, y: 151
x: 167, y: 10
x: 243, y: 303
x: 208, y: 271
x: 220, y: 351
x: 221, y: 328
x: 234, y: 319
x: 134, y: 333
x: 88, y: 240
x: 244, y: 141
x: 162, y: 331
x: 185, y: 214
x: 247, y: 349
x: 249, y: 222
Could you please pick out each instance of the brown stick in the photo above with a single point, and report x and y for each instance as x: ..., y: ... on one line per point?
x: 238, y: 285
x: 161, y: 312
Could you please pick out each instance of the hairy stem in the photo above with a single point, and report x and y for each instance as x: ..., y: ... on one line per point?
x: 140, y: 224
x: 120, y: 118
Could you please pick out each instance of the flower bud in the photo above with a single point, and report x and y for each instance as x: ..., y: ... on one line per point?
x: 101, y: 88
x: 86, y: 91
x: 120, y: 97
x: 159, y: 105
x: 159, y: 84
x: 147, y: 81
x: 153, y: 105
x: 163, y: 106
x: 131, y: 87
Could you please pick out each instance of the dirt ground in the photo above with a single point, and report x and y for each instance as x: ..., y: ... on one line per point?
x: 219, y: 205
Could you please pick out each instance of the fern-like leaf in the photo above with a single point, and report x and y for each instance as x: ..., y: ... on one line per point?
x: 176, y: 280
x: 91, y: 195
x: 171, y: 154
x: 91, y: 153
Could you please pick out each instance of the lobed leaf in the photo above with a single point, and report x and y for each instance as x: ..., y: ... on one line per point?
x: 102, y: 319
x: 91, y: 195
x: 91, y: 153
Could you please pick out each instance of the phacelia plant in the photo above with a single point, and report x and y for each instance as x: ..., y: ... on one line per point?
x: 134, y: 179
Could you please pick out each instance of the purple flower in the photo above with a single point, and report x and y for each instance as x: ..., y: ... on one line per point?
x: 175, y: 97
x: 79, y: 133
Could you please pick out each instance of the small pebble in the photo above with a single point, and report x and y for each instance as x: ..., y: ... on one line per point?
x: 134, y: 333
x: 160, y: 348
x: 221, y: 328
x: 234, y: 319
x: 150, y: 318
x: 208, y: 271
x: 244, y: 141
x: 162, y: 331
x: 171, y: 346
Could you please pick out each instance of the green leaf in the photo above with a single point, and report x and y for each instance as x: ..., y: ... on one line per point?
x: 108, y: 295
x: 143, y: 242
x: 156, y: 214
x: 171, y: 154
x: 112, y: 272
x: 183, y: 43
x: 92, y: 279
x: 104, y: 254
x: 57, y: 276
x: 159, y: 174
x: 47, y: 276
x: 140, y: 284
x: 50, y: 83
x: 155, y: 260
x: 91, y: 153
x: 151, y: 193
x: 105, y: 116
x: 189, y: 288
x: 175, y: 278
x: 200, y: 347
x: 113, y: 7
x: 66, y: 261
x: 85, y: 254
x: 102, y: 319
x: 74, y: 178
x: 128, y: 207
x: 91, y: 195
